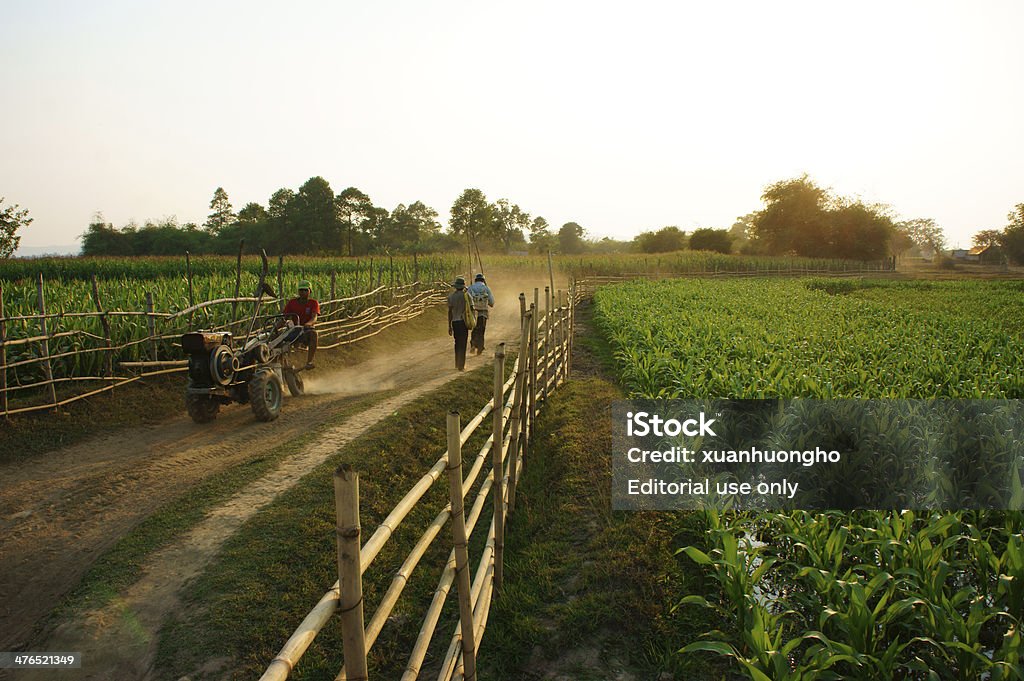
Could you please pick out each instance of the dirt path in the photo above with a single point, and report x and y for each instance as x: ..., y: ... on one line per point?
x: 58, y: 514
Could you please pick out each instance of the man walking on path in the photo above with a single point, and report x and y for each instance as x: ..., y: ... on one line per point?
x: 482, y: 298
x: 457, y: 321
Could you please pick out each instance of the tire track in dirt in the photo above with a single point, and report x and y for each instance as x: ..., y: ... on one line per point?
x: 60, y: 513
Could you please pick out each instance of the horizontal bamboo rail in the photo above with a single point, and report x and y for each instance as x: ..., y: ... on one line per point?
x: 335, y: 332
x: 512, y: 423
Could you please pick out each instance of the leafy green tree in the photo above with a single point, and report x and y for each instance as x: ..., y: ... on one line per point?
x: 987, y: 237
x: 221, y: 214
x: 860, y: 231
x: 510, y: 223
x: 11, y: 220
x: 541, y: 238
x: 1012, y: 239
x: 318, y: 228
x: 741, y: 232
x: 410, y: 227
x: 472, y: 218
x: 354, y: 208
x: 707, y: 239
x: 795, y: 219
x: 570, y: 238
x: 664, y: 240
x: 101, y: 238
x: 924, y: 233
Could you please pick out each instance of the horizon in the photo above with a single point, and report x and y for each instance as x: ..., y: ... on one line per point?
x: 621, y: 122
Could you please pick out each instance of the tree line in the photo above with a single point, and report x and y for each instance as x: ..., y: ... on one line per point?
x: 316, y: 221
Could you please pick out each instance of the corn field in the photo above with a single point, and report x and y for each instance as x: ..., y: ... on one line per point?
x: 867, y: 594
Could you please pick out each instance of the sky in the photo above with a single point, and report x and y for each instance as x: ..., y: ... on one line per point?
x: 622, y: 117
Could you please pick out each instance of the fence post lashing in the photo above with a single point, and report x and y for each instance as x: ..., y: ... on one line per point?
x: 461, y: 546
x: 3, y: 355
x: 499, y: 466
x: 350, y: 603
x: 151, y: 325
x: 46, y: 340
x: 238, y: 284
x: 106, y: 329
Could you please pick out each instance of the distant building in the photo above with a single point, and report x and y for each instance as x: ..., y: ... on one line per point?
x: 959, y: 253
x: 986, y: 255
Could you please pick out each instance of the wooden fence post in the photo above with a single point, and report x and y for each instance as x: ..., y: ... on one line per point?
x: 280, y: 282
x: 534, y: 312
x: 415, y: 268
x: 151, y: 324
x: 3, y: 355
x: 547, y: 341
x: 350, y: 580
x: 334, y: 285
x: 46, y: 339
x: 499, y: 466
x: 106, y: 330
x: 191, y: 295
x: 461, y: 546
x: 238, y: 285
x: 515, y: 429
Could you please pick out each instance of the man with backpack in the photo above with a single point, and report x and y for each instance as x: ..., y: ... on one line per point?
x: 459, y: 310
x: 482, y: 299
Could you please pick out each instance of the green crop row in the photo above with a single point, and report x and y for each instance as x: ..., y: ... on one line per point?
x: 865, y: 595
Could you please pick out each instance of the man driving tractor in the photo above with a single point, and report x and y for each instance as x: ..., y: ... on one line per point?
x: 305, y: 310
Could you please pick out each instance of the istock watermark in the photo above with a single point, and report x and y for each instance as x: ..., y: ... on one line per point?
x: 818, y: 454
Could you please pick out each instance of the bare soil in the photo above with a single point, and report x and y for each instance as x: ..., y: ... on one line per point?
x: 59, y: 512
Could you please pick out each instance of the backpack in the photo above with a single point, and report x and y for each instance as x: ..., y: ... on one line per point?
x: 470, y: 314
x: 479, y: 299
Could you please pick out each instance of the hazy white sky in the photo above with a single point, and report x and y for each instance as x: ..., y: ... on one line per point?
x: 619, y: 116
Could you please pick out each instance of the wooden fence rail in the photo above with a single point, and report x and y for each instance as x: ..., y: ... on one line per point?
x: 539, y: 368
x: 343, y: 321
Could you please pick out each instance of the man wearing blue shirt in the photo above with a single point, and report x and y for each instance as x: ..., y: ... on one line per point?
x: 482, y: 299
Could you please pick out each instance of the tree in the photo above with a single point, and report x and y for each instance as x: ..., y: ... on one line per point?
x: 860, y: 231
x: 570, y: 238
x: 221, y: 215
x: 509, y: 223
x: 409, y: 228
x: 541, y: 239
x: 11, y: 220
x: 471, y: 217
x: 354, y: 208
x: 924, y: 233
x: 794, y: 220
x: 741, y: 232
x: 1013, y: 236
x: 987, y: 237
x: 100, y: 238
x: 707, y: 239
x: 665, y: 240
x: 319, y: 229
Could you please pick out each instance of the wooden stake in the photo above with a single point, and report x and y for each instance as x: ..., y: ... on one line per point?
x: 461, y: 545
x: 350, y: 603
x: 238, y: 282
x: 547, y: 341
x: 415, y: 268
x: 106, y: 330
x: 498, y: 464
x: 280, y: 281
x: 334, y: 285
x: 151, y: 324
x: 514, y: 427
x: 46, y: 340
x: 3, y: 355
x: 191, y: 295
x: 534, y: 312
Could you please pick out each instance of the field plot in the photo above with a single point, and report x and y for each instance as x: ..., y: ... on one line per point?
x: 866, y: 595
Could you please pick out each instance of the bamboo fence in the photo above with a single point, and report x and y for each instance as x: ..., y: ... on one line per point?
x: 541, y: 365
x: 342, y: 321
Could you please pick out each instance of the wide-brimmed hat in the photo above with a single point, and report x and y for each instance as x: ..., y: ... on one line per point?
x: 479, y: 277
x: 459, y: 282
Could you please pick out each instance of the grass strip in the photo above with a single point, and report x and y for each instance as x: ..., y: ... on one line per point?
x: 588, y: 591
x: 278, y: 565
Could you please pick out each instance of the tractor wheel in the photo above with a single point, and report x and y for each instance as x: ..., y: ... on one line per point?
x: 265, y: 395
x: 294, y: 381
x: 201, y: 408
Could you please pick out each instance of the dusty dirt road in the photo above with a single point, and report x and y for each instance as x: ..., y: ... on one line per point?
x: 60, y: 512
